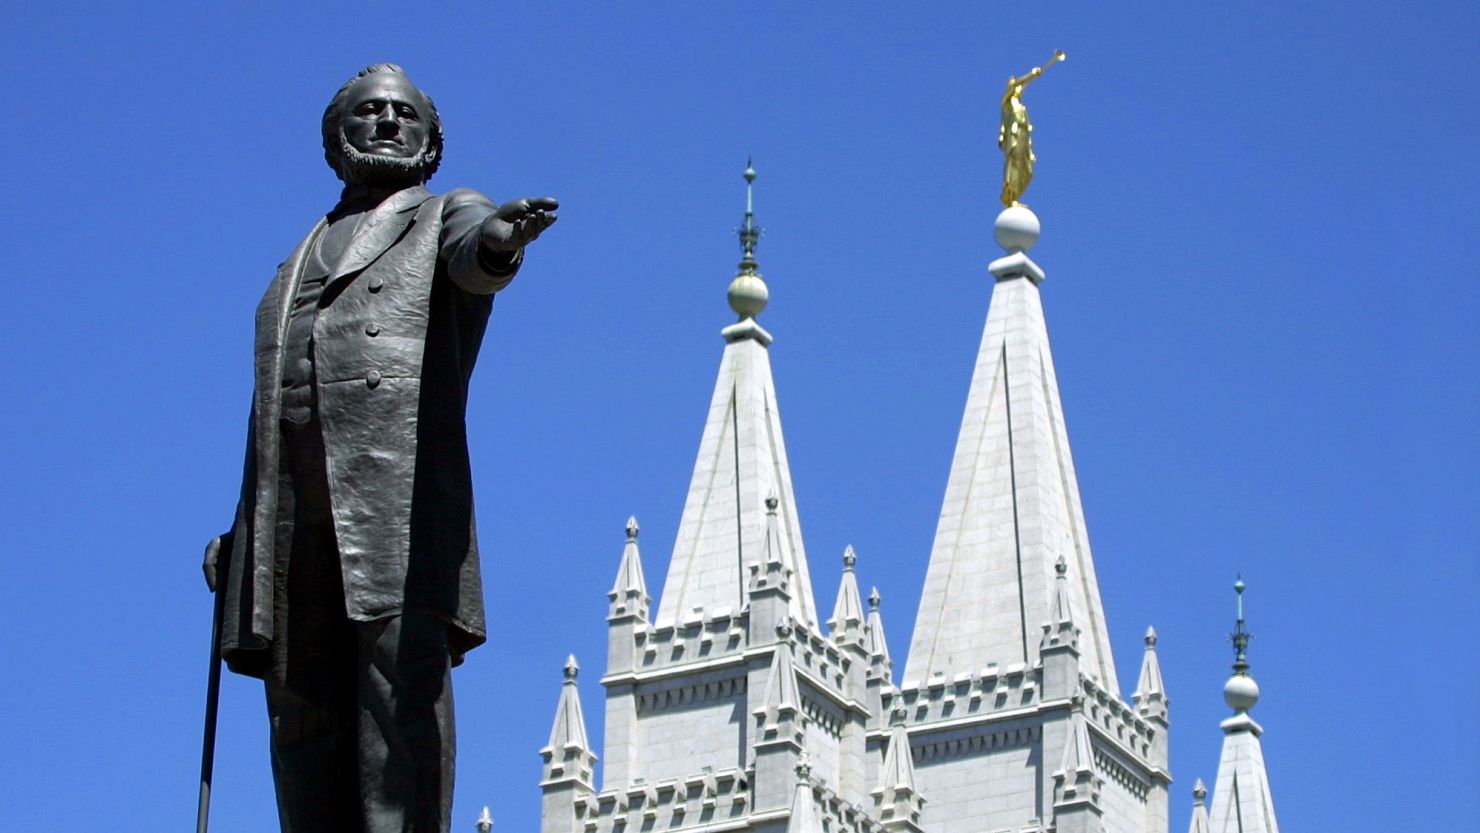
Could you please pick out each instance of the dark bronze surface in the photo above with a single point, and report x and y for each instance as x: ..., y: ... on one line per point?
x: 355, y: 526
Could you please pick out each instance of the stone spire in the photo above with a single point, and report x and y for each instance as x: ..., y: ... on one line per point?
x: 783, y: 701
x: 569, y: 762
x: 1241, y: 797
x: 803, y: 817
x: 1152, y: 705
x: 1149, y: 687
x: 629, y: 591
x: 1077, y: 780
x: 1060, y: 628
x: 568, y: 743
x: 1012, y: 501
x: 1199, y: 809
x: 741, y: 460
x: 780, y: 729
x: 847, y: 622
x: 897, y: 798
x: 878, y: 645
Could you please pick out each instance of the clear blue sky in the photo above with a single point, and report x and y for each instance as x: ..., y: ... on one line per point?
x: 1259, y: 229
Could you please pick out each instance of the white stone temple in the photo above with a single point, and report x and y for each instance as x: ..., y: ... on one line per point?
x: 732, y: 706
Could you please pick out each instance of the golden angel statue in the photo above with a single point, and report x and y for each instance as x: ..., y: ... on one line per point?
x: 1016, y: 136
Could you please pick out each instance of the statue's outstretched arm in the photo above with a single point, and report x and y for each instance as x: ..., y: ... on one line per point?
x: 1024, y: 80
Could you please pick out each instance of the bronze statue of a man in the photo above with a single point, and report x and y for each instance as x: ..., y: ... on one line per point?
x: 350, y: 575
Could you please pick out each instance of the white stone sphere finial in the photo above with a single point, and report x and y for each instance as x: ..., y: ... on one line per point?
x: 748, y: 295
x: 1241, y: 692
x: 1017, y: 229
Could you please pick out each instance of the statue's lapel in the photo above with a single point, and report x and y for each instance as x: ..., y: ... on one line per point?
x: 381, y: 230
x: 281, y: 292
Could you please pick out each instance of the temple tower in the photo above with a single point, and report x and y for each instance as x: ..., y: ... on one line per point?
x: 731, y: 706
x: 1241, y: 799
x: 1014, y: 705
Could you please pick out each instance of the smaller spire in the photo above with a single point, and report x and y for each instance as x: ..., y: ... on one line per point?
x: 629, y: 594
x: 779, y: 719
x: 569, y: 729
x: 568, y: 755
x: 899, y: 762
x: 847, y: 621
x: 803, y: 817
x: 782, y: 695
x: 485, y: 821
x: 897, y: 798
x: 1199, y: 809
x: 878, y: 646
x: 1077, y: 781
x: 1060, y: 628
x: 1079, y: 751
x: 1150, y: 689
x: 773, y: 531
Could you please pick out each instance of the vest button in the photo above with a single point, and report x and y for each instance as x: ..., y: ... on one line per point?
x: 376, y: 284
x: 372, y: 378
x: 372, y: 329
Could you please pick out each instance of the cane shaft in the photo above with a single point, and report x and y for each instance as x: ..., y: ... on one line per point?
x: 213, y: 698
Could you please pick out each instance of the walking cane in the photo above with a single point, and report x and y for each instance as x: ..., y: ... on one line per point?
x: 213, y: 683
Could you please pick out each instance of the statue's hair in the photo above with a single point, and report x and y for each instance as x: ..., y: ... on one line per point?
x: 431, y: 155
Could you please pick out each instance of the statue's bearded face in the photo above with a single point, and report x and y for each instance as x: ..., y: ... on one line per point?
x: 385, y: 132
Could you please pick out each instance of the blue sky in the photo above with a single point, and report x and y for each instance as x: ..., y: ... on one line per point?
x: 1259, y: 230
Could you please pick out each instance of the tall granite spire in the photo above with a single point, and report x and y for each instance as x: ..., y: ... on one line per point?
x: 741, y: 460
x: 1010, y: 690
x: 1241, y: 799
x: 1012, y: 500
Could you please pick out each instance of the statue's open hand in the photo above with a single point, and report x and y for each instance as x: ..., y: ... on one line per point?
x: 208, y: 564
x: 517, y: 223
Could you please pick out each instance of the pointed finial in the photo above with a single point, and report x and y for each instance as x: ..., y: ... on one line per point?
x: 571, y: 669
x: 1150, y: 637
x: 749, y: 232
x: 849, y: 557
x: 873, y: 598
x: 1199, y: 791
x: 748, y: 294
x: 631, y: 527
x: 485, y: 821
x: 1061, y: 566
x: 771, y: 503
x: 1240, y: 635
x: 898, y: 711
x: 1240, y: 692
x: 804, y: 767
x: 784, y: 627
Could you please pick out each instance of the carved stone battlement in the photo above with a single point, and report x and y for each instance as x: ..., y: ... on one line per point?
x: 1115, y: 720
x: 691, y: 640
x: 820, y: 659
x: 840, y: 815
x: 704, y: 798
x: 968, y: 694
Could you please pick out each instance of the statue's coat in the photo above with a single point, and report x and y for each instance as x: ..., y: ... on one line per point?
x: 395, y: 341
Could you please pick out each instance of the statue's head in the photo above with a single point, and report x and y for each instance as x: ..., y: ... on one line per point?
x: 380, y: 129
